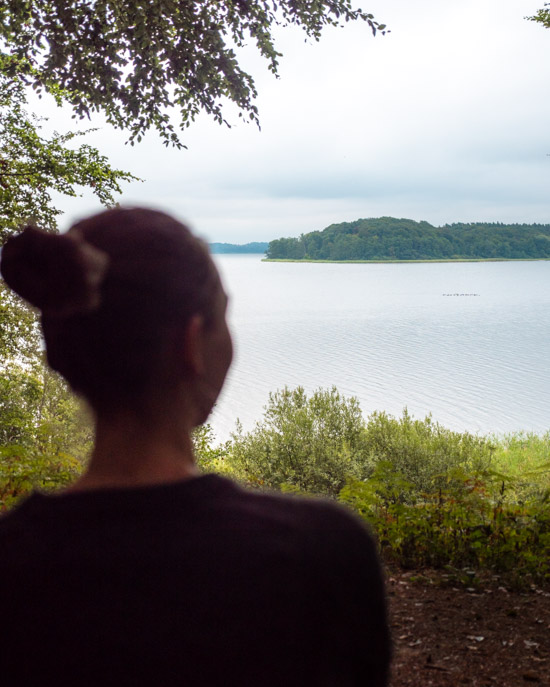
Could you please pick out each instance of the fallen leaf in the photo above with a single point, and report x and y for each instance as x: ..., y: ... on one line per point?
x: 530, y: 645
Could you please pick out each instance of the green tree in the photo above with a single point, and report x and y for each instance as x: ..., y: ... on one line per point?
x: 44, y: 433
x: 136, y: 59
x: 43, y: 429
x: 19, y: 330
x: 32, y: 166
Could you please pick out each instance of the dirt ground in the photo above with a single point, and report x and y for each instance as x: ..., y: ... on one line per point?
x: 446, y: 636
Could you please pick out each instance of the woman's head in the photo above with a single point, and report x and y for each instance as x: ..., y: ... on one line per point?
x: 118, y: 293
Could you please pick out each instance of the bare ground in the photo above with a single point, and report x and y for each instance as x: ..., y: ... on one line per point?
x: 448, y: 635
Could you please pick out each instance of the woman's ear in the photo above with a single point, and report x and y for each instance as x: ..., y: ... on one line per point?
x: 192, y: 351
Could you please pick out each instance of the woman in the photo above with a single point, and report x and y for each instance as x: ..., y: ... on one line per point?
x: 144, y: 572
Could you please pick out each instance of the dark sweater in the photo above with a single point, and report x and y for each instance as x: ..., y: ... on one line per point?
x: 191, y: 583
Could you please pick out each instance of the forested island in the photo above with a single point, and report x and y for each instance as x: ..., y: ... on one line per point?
x: 254, y: 247
x: 389, y: 239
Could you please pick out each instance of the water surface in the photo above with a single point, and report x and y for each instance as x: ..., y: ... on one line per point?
x: 389, y: 335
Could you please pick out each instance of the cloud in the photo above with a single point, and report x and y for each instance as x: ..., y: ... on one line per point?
x: 444, y: 119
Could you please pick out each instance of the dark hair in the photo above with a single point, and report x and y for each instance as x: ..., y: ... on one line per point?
x: 110, y: 290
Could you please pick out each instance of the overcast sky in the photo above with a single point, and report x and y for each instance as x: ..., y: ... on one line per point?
x: 444, y: 119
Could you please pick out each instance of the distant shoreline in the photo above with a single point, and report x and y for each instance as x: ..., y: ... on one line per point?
x: 382, y: 262
x: 252, y: 248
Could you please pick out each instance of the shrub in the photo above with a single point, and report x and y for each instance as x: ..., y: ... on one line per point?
x: 434, y: 497
x: 422, y: 452
x: 303, y: 444
x: 473, y: 523
x: 209, y: 458
x: 526, y: 457
x: 22, y: 470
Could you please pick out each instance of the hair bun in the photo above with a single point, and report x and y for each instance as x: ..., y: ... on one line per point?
x: 60, y: 274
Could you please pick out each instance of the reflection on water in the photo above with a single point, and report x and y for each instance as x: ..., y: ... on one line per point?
x: 391, y: 336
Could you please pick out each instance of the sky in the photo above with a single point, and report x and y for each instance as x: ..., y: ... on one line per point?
x: 444, y: 119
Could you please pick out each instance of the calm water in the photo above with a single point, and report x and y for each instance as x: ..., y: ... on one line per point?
x: 388, y: 335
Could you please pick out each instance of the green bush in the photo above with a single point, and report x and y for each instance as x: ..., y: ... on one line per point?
x: 306, y: 444
x: 45, y: 434
x: 209, y: 458
x: 475, y: 523
x: 314, y: 444
x: 22, y: 470
x: 38, y: 411
x: 526, y: 457
x: 422, y: 452
x: 434, y: 497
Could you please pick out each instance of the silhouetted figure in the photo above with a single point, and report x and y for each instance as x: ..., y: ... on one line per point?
x: 144, y: 572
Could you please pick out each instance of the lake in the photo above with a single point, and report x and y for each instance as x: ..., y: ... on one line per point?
x: 467, y: 342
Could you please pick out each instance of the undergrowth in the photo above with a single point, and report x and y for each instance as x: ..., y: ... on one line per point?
x: 434, y: 497
x: 475, y: 525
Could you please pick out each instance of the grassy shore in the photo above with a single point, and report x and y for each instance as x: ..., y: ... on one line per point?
x: 383, y: 262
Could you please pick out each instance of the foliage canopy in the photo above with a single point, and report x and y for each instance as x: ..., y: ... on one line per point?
x: 44, y: 434
x: 542, y: 16
x: 134, y: 59
x: 388, y: 238
x: 32, y: 166
x: 40, y: 421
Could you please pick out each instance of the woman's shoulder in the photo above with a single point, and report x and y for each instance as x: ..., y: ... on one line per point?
x: 210, y: 501
x: 302, y: 512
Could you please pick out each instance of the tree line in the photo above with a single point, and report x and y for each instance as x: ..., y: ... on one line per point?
x: 388, y: 238
x: 253, y: 247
